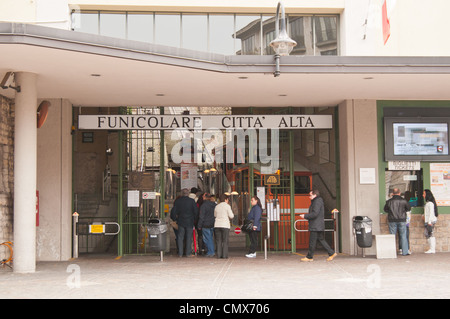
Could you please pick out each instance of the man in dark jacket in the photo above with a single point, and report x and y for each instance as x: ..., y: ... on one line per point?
x: 185, y: 213
x: 396, y: 207
x: 206, y: 224
x: 316, y: 226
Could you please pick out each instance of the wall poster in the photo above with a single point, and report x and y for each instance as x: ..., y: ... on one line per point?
x: 440, y: 183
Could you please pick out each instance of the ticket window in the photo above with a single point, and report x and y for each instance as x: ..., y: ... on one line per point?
x: 410, y: 184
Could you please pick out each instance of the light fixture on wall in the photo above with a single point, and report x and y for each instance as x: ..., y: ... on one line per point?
x: 8, y: 79
x: 282, y: 44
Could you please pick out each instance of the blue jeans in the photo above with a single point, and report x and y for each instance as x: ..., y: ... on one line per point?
x: 401, y: 228
x: 208, y: 240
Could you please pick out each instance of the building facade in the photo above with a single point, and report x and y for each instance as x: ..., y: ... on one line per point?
x: 360, y: 62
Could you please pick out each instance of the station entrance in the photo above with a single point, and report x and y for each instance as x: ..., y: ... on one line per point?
x: 130, y: 164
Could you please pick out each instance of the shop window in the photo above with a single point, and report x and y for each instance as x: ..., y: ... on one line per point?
x: 410, y: 184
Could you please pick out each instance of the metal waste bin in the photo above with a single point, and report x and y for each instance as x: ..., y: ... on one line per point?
x: 363, y: 230
x: 157, y: 234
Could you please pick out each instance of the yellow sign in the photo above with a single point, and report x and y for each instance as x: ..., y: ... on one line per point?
x: 96, y: 229
x: 271, y: 179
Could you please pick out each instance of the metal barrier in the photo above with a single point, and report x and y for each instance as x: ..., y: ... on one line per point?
x: 335, y: 228
x: 267, y: 237
x: 95, y: 228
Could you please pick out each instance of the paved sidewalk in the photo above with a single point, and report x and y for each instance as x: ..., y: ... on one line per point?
x: 281, y: 276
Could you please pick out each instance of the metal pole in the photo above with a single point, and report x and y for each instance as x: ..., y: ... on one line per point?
x: 292, y: 190
x: 75, y: 235
x: 336, y: 229
x: 267, y: 236
x: 277, y: 66
x: 162, y: 176
x: 120, y: 194
x: 162, y: 171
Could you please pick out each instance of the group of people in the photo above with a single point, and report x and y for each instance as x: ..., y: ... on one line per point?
x: 398, y: 209
x: 212, y: 221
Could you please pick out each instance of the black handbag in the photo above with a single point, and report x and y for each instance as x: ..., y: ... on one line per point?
x: 248, y: 226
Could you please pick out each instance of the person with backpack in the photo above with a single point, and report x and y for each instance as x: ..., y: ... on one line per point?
x: 430, y: 218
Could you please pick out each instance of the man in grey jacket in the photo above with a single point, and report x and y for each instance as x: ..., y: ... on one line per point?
x: 316, y: 226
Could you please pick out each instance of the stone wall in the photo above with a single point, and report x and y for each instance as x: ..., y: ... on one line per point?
x: 417, y: 239
x: 6, y: 172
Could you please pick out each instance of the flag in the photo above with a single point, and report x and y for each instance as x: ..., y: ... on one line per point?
x: 385, y: 23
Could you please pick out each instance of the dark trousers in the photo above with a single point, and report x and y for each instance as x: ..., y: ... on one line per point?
x: 184, y: 240
x: 253, y: 235
x: 315, y: 236
x: 222, y: 241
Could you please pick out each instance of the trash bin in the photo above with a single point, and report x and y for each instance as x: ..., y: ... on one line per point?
x: 157, y: 235
x: 363, y: 231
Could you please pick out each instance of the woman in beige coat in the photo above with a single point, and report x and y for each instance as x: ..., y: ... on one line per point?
x: 223, y: 214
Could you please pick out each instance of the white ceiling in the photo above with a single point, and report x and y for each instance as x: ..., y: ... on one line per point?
x: 135, y: 78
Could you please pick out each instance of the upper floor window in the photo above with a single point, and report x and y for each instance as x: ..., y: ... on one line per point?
x: 229, y: 34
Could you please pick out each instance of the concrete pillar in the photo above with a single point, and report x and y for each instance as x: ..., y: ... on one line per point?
x: 358, y: 148
x: 25, y: 158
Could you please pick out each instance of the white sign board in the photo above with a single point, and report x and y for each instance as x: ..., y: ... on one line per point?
x: 404, y: 165
x: 203, y: 122
x: 367, y: 176
x: 133, y: 199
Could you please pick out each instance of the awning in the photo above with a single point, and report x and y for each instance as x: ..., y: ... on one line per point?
x: 93, y: 70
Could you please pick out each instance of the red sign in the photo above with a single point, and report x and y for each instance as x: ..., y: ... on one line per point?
x: 385, y: 23
x: 237, y: 230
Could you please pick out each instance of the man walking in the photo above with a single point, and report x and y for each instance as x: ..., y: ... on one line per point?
x: 316, y: 226
x: 396, y: 207
x: 185, y: 213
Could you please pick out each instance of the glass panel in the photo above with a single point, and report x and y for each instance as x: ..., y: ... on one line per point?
x: 221, y: 34
x: 269, y: 34
x: 325, y: 29
x: 297, y: 33
x: 409, y: 183
x: 195, y: 32
x: 228, y: 33
x: 167, y: 29
x: 113, y: 24
x: 140, y: 27
x: 248, y: 31
x: 85, y: 22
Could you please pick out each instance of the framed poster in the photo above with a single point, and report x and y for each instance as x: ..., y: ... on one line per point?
x: 440, y: 183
